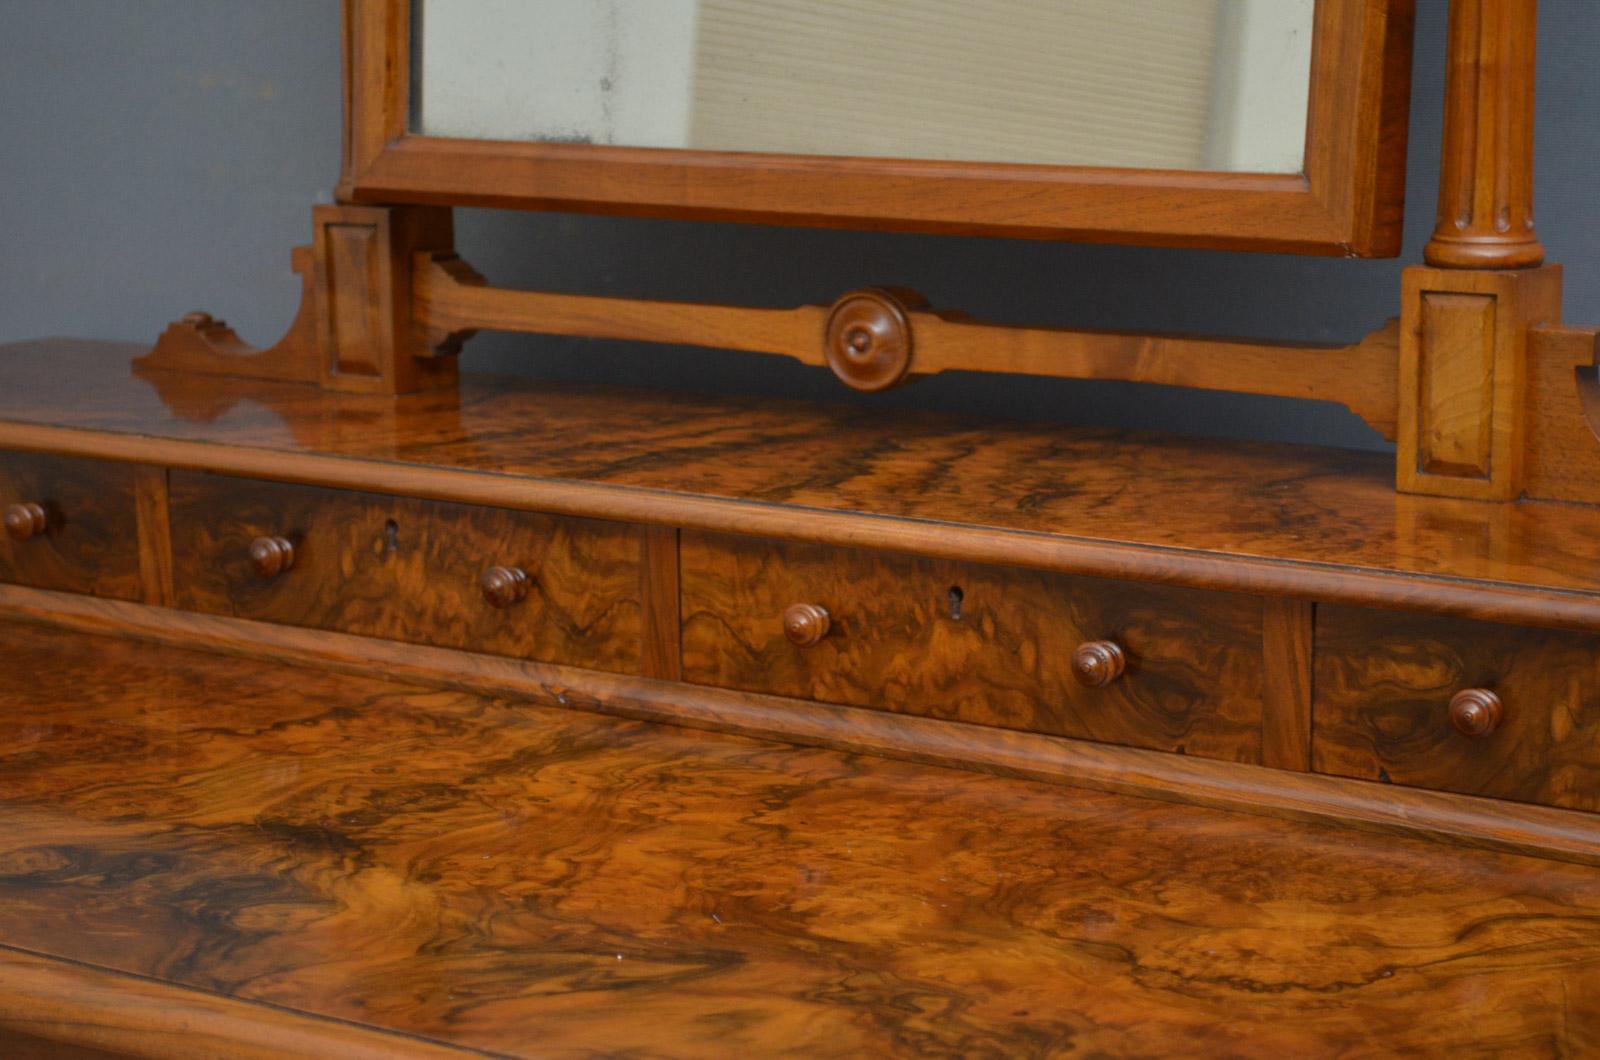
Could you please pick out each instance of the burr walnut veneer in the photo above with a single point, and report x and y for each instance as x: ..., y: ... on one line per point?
x: 358, y: 705
x: 1081, y: 620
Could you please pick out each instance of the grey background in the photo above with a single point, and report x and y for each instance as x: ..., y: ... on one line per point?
x: 161, y: 155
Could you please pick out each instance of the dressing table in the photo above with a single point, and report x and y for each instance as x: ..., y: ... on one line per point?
x: 363, y: 704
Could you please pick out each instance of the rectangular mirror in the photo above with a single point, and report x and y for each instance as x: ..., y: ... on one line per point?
x: 1154, y: 84
x: 1272, y: 125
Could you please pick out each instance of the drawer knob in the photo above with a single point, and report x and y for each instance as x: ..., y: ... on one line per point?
x: 271, y: 556
x: 504, y: 586
x: 806, y: 624
x: 24, y: 520
x: 1475, y: 711
x: 1097, y: 663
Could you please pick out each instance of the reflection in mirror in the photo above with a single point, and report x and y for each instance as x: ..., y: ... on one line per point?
x: 1157, y: 84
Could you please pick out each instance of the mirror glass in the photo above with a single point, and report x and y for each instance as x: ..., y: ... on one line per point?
x: 1153, y: 84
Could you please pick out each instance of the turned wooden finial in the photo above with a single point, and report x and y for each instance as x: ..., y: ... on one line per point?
x: 1486, y: 167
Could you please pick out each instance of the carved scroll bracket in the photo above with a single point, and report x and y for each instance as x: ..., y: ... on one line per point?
x: 353, y: 328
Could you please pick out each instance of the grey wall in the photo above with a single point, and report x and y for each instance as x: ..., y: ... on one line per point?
x: 161, y: 156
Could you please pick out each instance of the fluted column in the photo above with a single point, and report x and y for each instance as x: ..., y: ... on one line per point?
x: 1486, y: 173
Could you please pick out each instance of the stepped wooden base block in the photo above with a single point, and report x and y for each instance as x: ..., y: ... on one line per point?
x: 284, y: 853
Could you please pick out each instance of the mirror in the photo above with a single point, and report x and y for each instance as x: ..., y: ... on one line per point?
x: 1155, y: 84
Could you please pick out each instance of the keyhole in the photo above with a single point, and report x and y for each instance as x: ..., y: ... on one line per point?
x: 956, y: 596
x: 391, y: 535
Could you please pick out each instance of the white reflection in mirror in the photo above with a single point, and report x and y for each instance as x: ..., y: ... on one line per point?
x: 1157, y: 84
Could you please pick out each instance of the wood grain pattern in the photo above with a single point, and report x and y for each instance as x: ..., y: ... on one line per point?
x: 470, y: 871
x: 1286, y: 643
x: 452, y: 301
x: 1563, y: 457
x: 353, y: 331
x: 1485, y: 218
x: 1348, y: 200
x: 1457, y: 379
x: 984, y: 645
x: 60, y: 1010
x: 91, y: 539
x: 1488, y: 824
x: 155, y: 535
x: 662, y: 653
x: 1384, y: 684
x: 1274, y: 520
x: 1465, y: 417
x: 410, y: 570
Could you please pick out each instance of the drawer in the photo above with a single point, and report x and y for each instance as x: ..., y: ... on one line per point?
x: 979, y: 644
x: 410, y: 570
x: 1383, y: 683
x: 89, y: 542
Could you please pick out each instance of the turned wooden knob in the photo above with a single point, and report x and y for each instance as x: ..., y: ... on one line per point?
x: 271, y: 556
x: 806, y: 624
x: 867, y: 341
x: 504, y: 586
x: 1475, y: 711
x: 24, y: 520
x: 1097, y: 663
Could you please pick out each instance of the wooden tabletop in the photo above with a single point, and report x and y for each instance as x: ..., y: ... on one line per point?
x: 306, y: 862
x: 1302, y: 519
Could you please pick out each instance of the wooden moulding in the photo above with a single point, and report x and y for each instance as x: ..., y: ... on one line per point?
x: 1484, y: 823
x: 888, y: 335
x: 64, y: 1009
x: 353, y: 330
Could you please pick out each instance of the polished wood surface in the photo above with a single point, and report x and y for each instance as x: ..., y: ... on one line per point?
x: 984, y: 645
x: 1097, y: 663
x: 1260, y: 518
x: 1459, y: 706
x: 408, y: 569
x: 1485, y: 216
x: 1475, y: 711
x: 52, y: 1009
x: 875, y: 339
x: 25, y: 520
x: 1466, y: 420
x: 468, y: 870
x: 504, y: 586
x: 355, y: 327
x: 1488, y: 824
x: 270, y: 556
x: 70, y: 524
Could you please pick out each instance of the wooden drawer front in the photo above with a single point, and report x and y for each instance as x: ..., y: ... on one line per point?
x: 416, y: 580
x: 90, y: 541
x: 1192, y: 680
x: 1383, y: 682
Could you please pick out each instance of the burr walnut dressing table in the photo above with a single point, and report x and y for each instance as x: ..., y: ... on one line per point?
x: 361, y: 706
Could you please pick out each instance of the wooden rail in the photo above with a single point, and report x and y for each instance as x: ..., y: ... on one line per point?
x: 894, y: 335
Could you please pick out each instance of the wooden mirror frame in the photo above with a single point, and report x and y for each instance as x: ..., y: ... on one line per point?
x: 1348, y: 201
